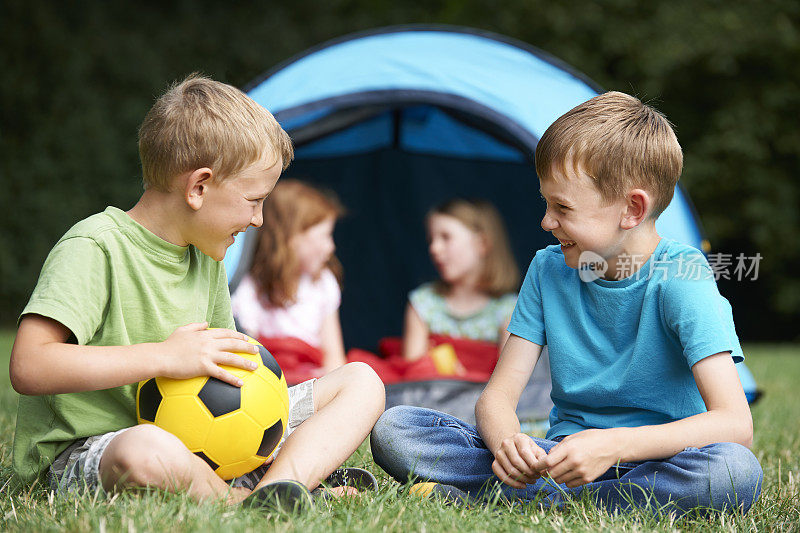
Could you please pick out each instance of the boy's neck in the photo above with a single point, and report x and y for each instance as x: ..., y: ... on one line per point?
x: 159, y: 213
x: 637, y: 247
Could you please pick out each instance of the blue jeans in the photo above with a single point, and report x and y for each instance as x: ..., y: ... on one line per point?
x: 415, y: 443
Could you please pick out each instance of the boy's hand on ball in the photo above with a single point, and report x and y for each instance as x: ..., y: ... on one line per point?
x: 582, y: 457
x: 194, y: 350
x: 516, y: 460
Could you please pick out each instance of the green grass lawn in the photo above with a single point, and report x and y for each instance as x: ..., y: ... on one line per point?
x: 777, y: 445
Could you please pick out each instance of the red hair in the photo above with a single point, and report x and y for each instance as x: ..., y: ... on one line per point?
x: 291, y: 209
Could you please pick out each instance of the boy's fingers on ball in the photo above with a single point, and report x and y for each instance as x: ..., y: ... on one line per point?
x: 237, y: 346
x: 224, y: 375
x: 231, y: 359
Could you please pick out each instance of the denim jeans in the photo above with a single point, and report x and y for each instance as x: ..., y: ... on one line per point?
x: 413, y: 443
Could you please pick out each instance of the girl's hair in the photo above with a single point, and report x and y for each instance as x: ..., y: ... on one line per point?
x: 500, y: 273
x: 291, y: 208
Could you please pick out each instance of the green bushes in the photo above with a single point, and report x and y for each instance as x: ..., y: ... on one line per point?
x: 78, y: 78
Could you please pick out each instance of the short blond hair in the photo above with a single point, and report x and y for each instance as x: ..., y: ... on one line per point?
x: 620, y: 143
x: 500, y: 272
x: 200, y: 123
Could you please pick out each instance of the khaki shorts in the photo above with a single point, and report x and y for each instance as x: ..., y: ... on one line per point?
x: 78, y: 467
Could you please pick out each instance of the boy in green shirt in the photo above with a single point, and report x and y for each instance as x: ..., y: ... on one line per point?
x: 126, y: 296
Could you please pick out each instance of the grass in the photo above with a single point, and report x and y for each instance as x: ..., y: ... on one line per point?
x: 777, y: 445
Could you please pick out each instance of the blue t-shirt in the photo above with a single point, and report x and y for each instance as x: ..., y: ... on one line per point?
x: 621, y: 352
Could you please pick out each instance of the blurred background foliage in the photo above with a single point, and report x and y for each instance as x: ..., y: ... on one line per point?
x: 78, y: 78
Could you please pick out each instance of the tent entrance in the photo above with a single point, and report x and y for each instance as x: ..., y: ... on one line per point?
x: 453, y: 123
x: 414, y: 120
x: 390, y: 165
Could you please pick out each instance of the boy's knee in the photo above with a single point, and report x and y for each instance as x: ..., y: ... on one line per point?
x: 383, y: 441
x: 411, y: 442
x: 723, y: 476
x: 363, y: 373
x: 362, y: 376
x: 387, y: 435
x: 391, y: 422
x: 735, y: 476
x: 145, y: 455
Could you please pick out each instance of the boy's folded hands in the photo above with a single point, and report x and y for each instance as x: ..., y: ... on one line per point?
x: 194, y: 350
x: 578, y: 459
x: 583, y: 457
x: 518, y: 461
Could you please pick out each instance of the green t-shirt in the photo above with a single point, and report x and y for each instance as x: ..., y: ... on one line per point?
x: 112, y: 283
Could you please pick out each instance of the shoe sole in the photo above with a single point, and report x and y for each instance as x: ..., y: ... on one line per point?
x: 284, y: 496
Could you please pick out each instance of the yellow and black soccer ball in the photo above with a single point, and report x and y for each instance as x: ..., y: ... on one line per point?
x: 233, y: 429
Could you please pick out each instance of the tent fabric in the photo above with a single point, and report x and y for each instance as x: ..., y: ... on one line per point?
x: 397, y: 120
x: 482, y: 68
x: 516, y: 88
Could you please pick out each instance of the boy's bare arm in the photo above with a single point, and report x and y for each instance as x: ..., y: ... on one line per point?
x: 503, y: 335
x: 582, y: 457
x: 42, y: 362
x: 515, y: 453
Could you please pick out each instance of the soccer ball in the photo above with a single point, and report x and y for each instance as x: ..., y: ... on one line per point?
x: 233, y: 429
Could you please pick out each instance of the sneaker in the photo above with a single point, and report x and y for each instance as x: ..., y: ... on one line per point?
x: 448, y: 493
x: 358, y: 478
x: 282, y: 496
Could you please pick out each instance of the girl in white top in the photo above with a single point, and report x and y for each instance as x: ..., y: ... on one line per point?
x: 292, y: 289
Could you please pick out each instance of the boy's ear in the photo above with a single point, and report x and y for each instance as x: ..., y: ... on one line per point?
x: 638, y: 204
x: 197, y: 187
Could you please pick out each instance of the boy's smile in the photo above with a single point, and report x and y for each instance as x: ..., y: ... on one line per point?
x: 232, y: 205
x: 581, y: 220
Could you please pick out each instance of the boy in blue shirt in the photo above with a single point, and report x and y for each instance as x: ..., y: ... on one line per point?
x: 648, y: 409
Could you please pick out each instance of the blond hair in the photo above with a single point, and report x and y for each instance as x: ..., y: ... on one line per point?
x: 200, y: 123
x: 500, y: 272
x: 620, y: 143
x: 292, y: 208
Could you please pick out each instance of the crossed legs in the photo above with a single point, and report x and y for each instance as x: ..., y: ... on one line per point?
x: 415, y: 443
x: 347, y: 401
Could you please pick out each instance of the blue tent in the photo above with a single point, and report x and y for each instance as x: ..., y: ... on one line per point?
x: 398, y: 119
